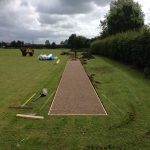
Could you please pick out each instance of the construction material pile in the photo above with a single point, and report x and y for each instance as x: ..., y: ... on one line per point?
x: 65, y: 53
x: 46, y: 57
x: 87, y: 55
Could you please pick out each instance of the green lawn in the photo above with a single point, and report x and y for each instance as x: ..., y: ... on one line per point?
x: 123, y: 91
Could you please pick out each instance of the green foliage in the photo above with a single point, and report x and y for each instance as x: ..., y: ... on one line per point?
x: 64, y: 42
x: 131, y: 47
x: 20, y: 43
x: 47, y: 44
x: 53, y: 45
x: 71, y: 40
x: 122, y: 16
x: 14, y: 43
x: 78, y: 42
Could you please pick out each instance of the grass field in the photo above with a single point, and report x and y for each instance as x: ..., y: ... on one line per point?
x: 123, y: 91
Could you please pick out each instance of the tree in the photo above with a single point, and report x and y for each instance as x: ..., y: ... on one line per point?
x: 71, y: 40
x: 3, y: 44
x: 87, y: 43
x: 62, y: 42
x: 53, y: 45
x: 14, y: 43
x: 66, y: 42
x: 80, y: 42
x: 20, y: 43
x: 47, y: 44
x: 123, y: 15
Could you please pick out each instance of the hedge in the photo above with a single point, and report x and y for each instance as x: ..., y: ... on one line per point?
x: 132, y: 47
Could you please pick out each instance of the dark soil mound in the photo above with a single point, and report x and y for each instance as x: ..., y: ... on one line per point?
x: 65, y: 53
x: 87, y: 55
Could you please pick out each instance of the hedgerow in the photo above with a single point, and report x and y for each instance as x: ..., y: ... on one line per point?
x: 131, y: 47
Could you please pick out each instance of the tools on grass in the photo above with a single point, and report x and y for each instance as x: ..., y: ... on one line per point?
x: 35, y: 115
x: 24, y: 105
x: 44, y: 92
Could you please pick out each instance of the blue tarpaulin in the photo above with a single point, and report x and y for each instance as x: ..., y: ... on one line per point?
x: 46, y: 57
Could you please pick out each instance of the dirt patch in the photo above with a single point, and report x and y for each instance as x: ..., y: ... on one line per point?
x: 102, y: 70
x: 87, y: 55
x: 72, y: 57
x: 130, y: 119
x: 65, y: 53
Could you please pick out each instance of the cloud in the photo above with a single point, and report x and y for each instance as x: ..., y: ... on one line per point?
x: 68, y: 25
x: 62, y: 7
x: 51, y: 19
x: 24, y: 3
x: 37, y: 20
x: 69, y: 6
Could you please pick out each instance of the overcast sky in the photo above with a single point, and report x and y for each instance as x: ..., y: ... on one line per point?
x: 54, y: 20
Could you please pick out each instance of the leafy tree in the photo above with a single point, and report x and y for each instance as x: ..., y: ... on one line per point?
x: 53, y: 45
x: 87, y: 43
x: 71, y: 40
x: 2, y: 44
x: 66, y: 42
x: 47, y: 44
x: 62, y: 42
x: 123, y: 15
x: 80, y: 42
x: 20, y: 43
x: 94, y: 39
x: 14, y: 43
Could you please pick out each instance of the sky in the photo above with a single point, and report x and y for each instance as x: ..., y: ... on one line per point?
x: 54, y: 20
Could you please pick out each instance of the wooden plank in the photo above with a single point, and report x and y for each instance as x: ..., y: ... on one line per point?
x: 29, y: 116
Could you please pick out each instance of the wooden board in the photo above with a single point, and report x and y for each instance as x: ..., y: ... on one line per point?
x: 29, y: 116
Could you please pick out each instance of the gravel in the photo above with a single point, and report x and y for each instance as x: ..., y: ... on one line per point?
x: 75, y: 94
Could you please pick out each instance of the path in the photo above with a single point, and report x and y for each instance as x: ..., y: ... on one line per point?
x: 75, y: 94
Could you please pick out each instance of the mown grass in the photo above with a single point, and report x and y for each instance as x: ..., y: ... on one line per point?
x: 123, y: 91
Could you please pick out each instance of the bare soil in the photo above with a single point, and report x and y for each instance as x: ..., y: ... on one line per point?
x: 103, y: 70
x: 87, y: 55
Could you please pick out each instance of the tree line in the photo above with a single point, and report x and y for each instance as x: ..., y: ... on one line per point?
x: 73, y: 42
x: 19, y: 44
x: 78, y: 42
x: 13, y: 43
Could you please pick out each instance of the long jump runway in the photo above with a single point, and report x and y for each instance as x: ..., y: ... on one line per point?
x: 75, y: 94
